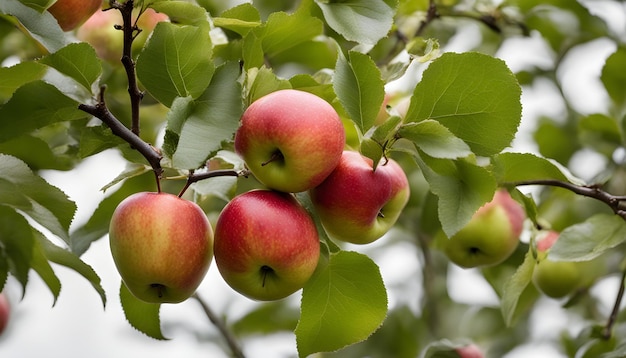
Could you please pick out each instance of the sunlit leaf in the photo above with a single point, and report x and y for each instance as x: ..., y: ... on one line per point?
x: 520, y: 167
x: 434, y: 139
x: 183, y: 12
x: 18, y: 75
x: 42, y: 26
x: 78, y: 61
x: 515, y: 288
x: 343, y: 303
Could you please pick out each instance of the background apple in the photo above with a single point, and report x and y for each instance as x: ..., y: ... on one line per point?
x: 470, y: 351
x: 5, y: 312
x: 161, y: 245
x: 291, y: 140
x: 99, y: 32
x: 558, y: 279
x: 358, y: 204
x: 491, y: 236
x: 72, y: 13
x: 266, y: 244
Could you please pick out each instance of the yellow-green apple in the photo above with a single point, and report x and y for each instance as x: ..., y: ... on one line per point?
x: 469, y: 351
x: 100, y: 32
x: 358, y: 204
x: 558, y: 279
x: 5, y: 312
x: 162, y: 246
x: 266, y: 245
x: 72, y: 13
x: 491, y: 236
x: 290, y: 140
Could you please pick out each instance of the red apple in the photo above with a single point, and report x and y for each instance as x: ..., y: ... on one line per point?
x: 5, y: 312
x: 266, y: 245
x: 290, y: 140
x: 491, y: 236
x: 358, y: 204
x: 161, y: 245
x: 72, y: 13
x: 470, y: 351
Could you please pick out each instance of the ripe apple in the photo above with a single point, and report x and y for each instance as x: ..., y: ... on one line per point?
x: 72, y: 13
x: 290, y: 140
x: 491, y: 235
x: 266, y: 245
x: 557, y: 279
x: 99, y: 31
x: 161, y: 245
x: 470, y: 351
x: 5, y: 312
x: 358, y: 204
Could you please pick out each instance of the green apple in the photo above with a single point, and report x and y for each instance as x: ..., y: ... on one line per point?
x: 266, y: 245
x: 162, y: 246
x: 100, y: 32
x: 290, y: 140
x: 72, y: 13
x: 558, y: 279
x: 5, y: 312
x: 358, y: 204
x: 469, y: 351
x: 491, y: 235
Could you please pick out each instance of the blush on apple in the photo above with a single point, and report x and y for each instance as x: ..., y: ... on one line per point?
x: 72, y: 13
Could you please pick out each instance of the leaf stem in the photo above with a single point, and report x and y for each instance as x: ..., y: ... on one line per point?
x: 221, y: 326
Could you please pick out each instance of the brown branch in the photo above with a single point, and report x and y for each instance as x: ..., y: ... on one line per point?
x: 195, y: 177
x: 608, y: 328
x: 431, y: 15
x: 221, y: 326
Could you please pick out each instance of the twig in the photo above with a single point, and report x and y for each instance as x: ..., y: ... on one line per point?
x: 431, y: 15
x: 194, y: 177
x: 221, y: 326
x: 608, y: 328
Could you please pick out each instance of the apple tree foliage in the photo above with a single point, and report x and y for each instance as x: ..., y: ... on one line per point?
x: 451, y: 127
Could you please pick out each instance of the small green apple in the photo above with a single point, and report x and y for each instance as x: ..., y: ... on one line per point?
x: 162, y: 246
x: 358, y: 204
x: 266, y: 245
x: 491, y: 235
x: 558, y: 279
x: 72, y: 13
x: 290, y: 140
x: 5, y: 312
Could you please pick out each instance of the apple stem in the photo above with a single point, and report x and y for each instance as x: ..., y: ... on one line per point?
x: 265, y: 270
x: 194, y: 177
x: 380, y: 214
x: 160, y: 288
x: 221, y: 326
x: 276, y: 155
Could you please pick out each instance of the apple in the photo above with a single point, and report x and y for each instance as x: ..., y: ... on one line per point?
x: 290, y: 140
x: 5, y: 312
x: 491, y: 235
x: 358, y: 204
x: 100, y: 32
x: 266, y: 245
x: 72, y: 13
x: 558, y: 279
x: 161, y: 245
x: 470, y: 351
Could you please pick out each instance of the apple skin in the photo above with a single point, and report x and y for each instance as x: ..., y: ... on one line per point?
x: 470, y: 351
x: 72, y: 13
x: 558, y: 279
x: 266, y: 245
x: 290, y: 140
x: 352, y: 198
x: 5, y: 312
x: 162, y: 246
x: 491, y: 235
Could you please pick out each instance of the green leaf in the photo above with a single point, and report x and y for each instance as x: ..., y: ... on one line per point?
x: 70, y: 260
x: 372, y: 149
x: 518, y: 167
x: 43, y: 27
x: 343, y: 303
x: 39, y: 5
x: 589, y: 239
x: 16, y: 242
x: 197, y: 128
x: 36, y: 153
x: 43, y: 202
x: 240, y: 19
x: 142, y: 316
x: 386, y: 130
x: 359, y: 88
x: 95, y: 139
x: 613, y: 76
x: 601, y: 133
x: 33, y: 106
x: 78, y: 61
x: 514, y: 290
x: 434, y: 139
x: 18, y: 75
x: 183, y: 12
x: 475, y: 95
x: 42, y: 266
x: 263, y: 81
x: 362, y: 21
x: 461, y: 187
x: 176, y: 62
